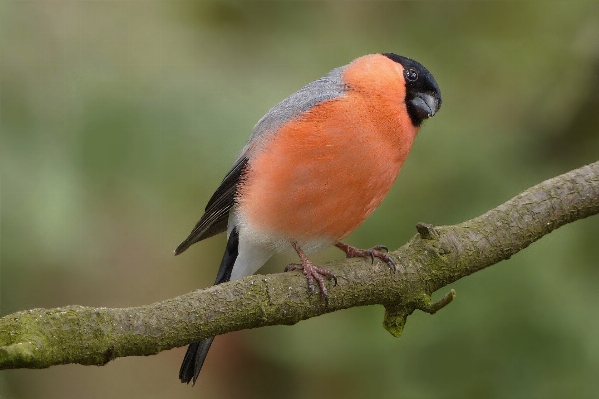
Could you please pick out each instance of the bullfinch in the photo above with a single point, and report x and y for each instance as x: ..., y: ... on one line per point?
x: 315, y: 167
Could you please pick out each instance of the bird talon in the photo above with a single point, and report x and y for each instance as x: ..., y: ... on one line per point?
x: 334, y: 279
x: 311, y: 289
x: 292, y: 266
x: 312, y: 272
x: 390, y: 260
x: 374, y: 252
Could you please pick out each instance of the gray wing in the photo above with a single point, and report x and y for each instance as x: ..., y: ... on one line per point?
x: 215, y: 218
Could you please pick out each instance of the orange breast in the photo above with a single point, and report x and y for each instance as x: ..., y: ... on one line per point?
x: 322, y: 174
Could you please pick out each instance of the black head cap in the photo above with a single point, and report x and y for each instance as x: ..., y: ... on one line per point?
x: 423, y: 96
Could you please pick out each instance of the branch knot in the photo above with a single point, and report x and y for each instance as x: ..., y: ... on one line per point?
x: 427, y: 231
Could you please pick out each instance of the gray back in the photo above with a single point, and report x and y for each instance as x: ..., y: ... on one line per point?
x: 328, y: 87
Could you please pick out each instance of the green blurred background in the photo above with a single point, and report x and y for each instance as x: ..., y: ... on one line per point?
x: 120, y: 118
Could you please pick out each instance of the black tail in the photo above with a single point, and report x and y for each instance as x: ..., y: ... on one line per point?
x: 196, y: 352
x: 194, y: 359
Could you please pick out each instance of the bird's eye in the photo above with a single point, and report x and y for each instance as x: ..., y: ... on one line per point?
x: 411, y: 75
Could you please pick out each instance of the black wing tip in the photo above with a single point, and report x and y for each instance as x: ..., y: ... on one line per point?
x: 206, y: 227
x: 182, y: 247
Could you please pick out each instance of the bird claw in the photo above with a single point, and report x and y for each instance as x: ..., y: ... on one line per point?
x: 374, y: 252
x: 312, y: 273
x: 292, y: 266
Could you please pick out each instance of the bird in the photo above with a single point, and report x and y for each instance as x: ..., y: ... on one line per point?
x: 314, y: 168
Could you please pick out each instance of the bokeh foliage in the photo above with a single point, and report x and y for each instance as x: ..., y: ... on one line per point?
x: 119, y: 119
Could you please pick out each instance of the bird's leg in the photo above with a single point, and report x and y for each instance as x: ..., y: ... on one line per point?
x: 374, y: 252
x: 311, y: 272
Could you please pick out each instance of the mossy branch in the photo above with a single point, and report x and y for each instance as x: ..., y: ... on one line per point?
x: 434, y: 258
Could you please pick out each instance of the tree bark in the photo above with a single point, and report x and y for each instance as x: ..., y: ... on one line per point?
x: 434, y: 258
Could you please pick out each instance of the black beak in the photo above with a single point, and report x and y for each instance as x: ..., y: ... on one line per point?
x: 425, y: 105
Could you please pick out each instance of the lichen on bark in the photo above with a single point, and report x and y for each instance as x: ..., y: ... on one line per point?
x: 434, y: 258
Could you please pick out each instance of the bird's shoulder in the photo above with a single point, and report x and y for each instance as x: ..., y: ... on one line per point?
x: 328, y: 87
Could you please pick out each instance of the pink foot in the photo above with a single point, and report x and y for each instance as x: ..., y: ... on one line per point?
x: 312, y: 273
x: 374, y: 252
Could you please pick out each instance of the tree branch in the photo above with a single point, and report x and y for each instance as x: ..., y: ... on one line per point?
x: 434, y: 258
